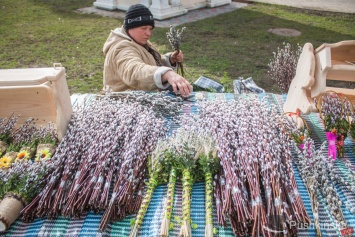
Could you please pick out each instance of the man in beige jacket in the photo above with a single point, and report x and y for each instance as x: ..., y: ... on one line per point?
x: 133, y: 63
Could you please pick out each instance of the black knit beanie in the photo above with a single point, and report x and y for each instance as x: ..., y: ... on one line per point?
x: 138, y: 15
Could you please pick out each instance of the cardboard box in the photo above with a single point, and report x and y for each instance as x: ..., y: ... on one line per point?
x: 40, y: 93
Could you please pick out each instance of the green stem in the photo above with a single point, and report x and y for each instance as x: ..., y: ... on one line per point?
x: 209, y: 204
x: 180, y: 69
x: 144, y: 206
x: 209, y: 197
x: 169, y: 203
x: 171, y: 192
x: 186, y: 203
x: 186, y: 196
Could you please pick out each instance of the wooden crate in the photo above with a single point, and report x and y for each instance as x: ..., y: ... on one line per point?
x: 40, y: 93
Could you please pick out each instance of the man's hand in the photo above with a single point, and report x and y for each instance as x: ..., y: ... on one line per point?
x: 178, y: 83
x: 176, y: 57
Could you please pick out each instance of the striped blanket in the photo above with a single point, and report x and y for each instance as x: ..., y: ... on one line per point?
x: 87, y: 225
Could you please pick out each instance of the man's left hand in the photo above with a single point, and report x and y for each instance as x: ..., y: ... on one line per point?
x: 177, y: 57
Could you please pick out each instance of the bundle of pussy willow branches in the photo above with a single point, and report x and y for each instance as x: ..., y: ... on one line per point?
x: 174, y: 37
x: 101, y: 162
x: 257, y: 182
x: 321, y: 175
x: 318, y: 173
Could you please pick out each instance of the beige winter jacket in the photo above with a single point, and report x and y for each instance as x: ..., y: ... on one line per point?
x: 129, y: 66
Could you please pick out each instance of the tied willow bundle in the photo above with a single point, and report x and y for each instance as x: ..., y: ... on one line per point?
x: 156, y: 176
x: 209, y: 164
x: 174, y: 37
x: 169, y: 163
x: 186, y: 156
x: 191, y: 155
x: 257, y: 181
x: 101, y: 162
x: 172, y: 156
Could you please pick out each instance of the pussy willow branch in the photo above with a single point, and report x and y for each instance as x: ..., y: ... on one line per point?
x: 174, y: 37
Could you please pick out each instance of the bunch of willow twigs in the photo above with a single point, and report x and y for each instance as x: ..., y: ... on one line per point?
x: 174, y: 37
x: 317, y: 172
x: 101, y: 161
x: 257, y: 182
x: 320, y: 177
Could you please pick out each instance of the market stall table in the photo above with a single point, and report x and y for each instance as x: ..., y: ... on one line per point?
x: 87, y: 225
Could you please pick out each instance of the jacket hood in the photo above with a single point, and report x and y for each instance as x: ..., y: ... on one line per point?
x: 117, y: 35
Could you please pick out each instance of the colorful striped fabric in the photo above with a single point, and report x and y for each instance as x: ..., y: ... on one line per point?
x: 87, y: 225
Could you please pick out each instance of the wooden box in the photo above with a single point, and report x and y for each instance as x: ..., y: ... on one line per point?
x: 40, y: 93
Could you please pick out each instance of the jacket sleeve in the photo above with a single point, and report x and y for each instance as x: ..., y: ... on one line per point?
x: 135, y: 67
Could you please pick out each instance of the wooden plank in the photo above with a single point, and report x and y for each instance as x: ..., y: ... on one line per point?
x: 342, y: 51
x: 341, y: 73
x: 350, y: 93
x: 28, y: 76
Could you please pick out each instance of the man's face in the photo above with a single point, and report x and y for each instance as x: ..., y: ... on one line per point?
x: 141, y: 34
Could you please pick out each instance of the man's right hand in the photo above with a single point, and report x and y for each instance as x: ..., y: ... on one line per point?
x: 178, y: 83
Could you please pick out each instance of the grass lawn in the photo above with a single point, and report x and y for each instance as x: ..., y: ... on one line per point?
x: 38, y: 33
